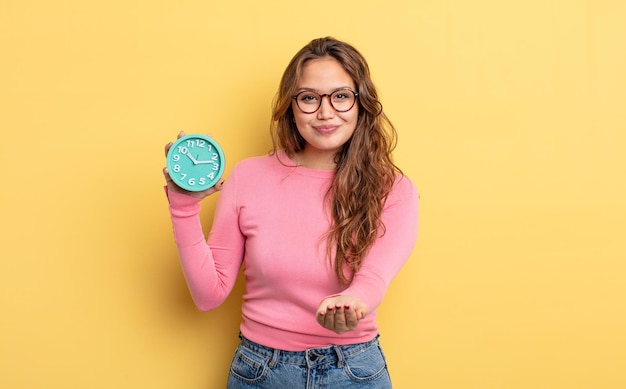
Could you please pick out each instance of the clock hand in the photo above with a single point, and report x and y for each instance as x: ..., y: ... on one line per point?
x: 192, y: 158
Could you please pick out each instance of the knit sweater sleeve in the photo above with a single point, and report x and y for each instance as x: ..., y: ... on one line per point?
x: 393, y: 247
x: 210, y: 267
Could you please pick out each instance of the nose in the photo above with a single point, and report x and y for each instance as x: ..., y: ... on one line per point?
x: 326, y: 110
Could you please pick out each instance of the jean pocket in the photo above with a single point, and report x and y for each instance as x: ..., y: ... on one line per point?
x: 367, y: 365
x: 249, y: 367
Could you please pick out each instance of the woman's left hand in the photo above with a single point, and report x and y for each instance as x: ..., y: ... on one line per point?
x: 341, y: 313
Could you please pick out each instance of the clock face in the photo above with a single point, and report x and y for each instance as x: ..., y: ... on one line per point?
x: 195, y: 162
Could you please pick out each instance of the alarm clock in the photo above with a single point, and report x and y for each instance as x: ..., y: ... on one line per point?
x: 195, y: 162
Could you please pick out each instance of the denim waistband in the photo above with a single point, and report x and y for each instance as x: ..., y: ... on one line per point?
x: 334, y: 354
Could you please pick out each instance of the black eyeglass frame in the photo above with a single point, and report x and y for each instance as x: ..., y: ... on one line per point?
x: 356, y: 95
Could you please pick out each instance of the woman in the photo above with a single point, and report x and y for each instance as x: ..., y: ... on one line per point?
x: 321, y: 225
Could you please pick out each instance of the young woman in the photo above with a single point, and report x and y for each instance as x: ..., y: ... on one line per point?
x: 321, y: 226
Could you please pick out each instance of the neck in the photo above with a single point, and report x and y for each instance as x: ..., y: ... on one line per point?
x: 317, y: 161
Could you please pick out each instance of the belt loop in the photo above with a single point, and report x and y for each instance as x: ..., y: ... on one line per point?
x: 341, y: 360
x: 274, y: 359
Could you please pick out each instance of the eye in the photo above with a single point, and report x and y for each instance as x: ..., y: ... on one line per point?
x: 308, y: 98
x: 342, y: 95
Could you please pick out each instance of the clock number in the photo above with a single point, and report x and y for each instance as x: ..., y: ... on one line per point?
x: 216, y: 167
x: 183, y: 175
x: 198, y: 142
x: 176, y: 157
x: 192, y: 181
x: 215, y: 156
x: 182, y: 150
x: 177, y: 168
x: 201, y: 181
x: 211, y: 176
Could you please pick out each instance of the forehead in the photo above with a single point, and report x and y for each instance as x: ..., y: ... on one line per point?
x: 324, y: 74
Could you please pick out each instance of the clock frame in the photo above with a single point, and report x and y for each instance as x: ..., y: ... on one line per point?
x: 195, y: 162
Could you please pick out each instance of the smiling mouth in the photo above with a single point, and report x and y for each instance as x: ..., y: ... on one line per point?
x: 326, y: 129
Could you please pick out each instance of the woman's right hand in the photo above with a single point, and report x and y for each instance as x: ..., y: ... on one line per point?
x: 172, y: 187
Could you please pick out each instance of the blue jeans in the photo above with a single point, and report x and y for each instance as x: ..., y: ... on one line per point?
x: 359, y: 365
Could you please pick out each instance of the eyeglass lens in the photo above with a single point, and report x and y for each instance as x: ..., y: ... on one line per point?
x: 341, y: 100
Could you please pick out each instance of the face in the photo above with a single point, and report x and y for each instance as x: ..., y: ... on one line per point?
x: 326, y: 130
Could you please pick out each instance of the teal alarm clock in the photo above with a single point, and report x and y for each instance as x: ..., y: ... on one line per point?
x: 195, y: 162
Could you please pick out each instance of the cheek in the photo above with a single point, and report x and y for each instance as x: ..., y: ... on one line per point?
x: 351, y: 117
x: 297, y: 115
x: 300, y: 120
x: 354, y: 112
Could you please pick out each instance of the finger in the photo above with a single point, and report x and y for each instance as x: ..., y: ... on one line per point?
x: 340, y: 315
x: 351, y: 319
x: 320, y: 317
x: 181, y: 134
x: 329, y: 319
x: 168, y: 147
x: 215, y: 188
x: 167, y: 175
x: 219, y: 185
x: 340, y: 320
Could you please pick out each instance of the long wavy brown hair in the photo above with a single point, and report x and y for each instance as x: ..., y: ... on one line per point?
x: 364, y: 173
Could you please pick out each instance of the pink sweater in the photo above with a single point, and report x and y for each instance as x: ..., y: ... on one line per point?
x: 272, y: 219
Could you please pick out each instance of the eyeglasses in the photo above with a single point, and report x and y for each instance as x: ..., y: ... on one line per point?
x: 342, y: 100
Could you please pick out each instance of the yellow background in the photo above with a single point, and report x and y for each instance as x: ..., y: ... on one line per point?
x: 511, y: 121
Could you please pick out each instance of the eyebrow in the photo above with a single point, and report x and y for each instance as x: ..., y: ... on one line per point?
x: 303, y: 89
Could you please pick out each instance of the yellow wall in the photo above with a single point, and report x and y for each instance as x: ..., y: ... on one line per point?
x: 511, y: 121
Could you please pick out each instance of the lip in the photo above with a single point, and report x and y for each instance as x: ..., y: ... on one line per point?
x: 325, y: 129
